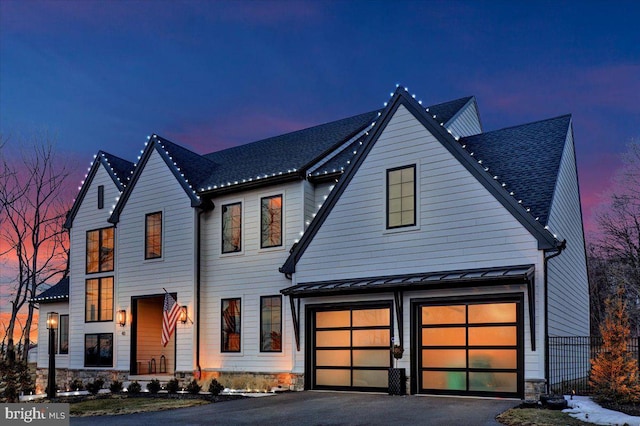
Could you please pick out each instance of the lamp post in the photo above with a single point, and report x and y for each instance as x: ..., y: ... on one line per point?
x: 52, y: 325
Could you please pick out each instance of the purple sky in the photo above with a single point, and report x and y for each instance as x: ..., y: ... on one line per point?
x: 210, y: 75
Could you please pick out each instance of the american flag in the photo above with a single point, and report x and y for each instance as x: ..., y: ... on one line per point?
x: 170, y: 314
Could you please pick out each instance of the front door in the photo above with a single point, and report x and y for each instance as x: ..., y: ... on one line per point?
x: 148, y: 355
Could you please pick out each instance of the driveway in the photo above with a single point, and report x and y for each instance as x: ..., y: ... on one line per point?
x: 322, y: 408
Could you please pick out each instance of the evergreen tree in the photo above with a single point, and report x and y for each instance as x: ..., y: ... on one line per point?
x: 614, y: 371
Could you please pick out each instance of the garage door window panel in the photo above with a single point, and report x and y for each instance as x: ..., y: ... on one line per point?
x: 470, y: 347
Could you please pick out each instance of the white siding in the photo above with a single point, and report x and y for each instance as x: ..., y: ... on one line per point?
x: 460, y: 224
x: 248, y: 275
x: 466, y: 122
x: 157, y: 190
x: 88, y: 217
x: 62, y: 360
x: 567, y: 274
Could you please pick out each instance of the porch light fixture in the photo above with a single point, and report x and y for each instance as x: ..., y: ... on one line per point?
x: 52, y: 326
x: 122, y: 317
x: 183, y: 314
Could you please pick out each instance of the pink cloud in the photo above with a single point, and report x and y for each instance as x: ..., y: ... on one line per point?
x: 596, y: 174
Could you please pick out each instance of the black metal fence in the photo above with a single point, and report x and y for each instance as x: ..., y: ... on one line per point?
x: 570, y: 362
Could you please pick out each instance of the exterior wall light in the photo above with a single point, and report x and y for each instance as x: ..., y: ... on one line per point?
x: 122, y: 317
x: 183, y: 314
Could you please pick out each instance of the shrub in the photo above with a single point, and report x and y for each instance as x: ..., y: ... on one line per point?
x: 134, y: 388
x: 193, y: 387
x: 153, y: 386
x: 95, y: 386
x: 173, y: 386
x: 14, y: 378
x: 115, y: 386
x: 76, y: 385
x: 215, y: 387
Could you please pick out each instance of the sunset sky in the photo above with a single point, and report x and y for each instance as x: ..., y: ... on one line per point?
x: 214, y: 74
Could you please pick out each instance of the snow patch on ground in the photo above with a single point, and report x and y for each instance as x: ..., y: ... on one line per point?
x: 583, y: 408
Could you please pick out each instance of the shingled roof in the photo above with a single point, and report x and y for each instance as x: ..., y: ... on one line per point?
x: 526, y: 159
x: 57, y: 293
x: 285, y: 154
x: 119, y: 170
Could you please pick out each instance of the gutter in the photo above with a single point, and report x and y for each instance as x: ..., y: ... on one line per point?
x: 558, y: 250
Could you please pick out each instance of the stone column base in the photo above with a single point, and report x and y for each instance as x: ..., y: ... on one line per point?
x: 533, y: 388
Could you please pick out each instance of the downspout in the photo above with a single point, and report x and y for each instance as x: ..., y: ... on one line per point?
x: 198, y: 275
x: 558, y: 250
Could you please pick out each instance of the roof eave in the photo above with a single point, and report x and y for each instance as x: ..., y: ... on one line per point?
x: 251, y: 184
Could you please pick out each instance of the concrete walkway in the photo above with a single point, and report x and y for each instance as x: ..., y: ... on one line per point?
x: 322, y: 408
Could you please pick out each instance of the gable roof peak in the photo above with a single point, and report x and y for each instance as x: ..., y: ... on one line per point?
x: 453, y: 143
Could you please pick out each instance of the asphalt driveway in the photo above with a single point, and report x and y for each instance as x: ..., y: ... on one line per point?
x: 322, y: 408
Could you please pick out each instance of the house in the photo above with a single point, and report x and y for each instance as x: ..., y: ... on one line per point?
x: 305, y: 257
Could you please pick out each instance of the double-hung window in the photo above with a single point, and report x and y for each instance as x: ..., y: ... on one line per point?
x: 99, y: 299
x: 153, y: 235
x: 232, y: 228
x: 271, y: 221
x: 401, y: 199
x: 271, y: 324
x: 100, y: 250
x: 230, y: 325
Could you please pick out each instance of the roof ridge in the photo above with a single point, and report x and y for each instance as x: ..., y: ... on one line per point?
x: 520, y: 125
x: 306, y: 129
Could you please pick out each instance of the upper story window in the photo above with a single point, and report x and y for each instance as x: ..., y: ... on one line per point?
x: 99, y: 299
x: 101, y: 197
x: 153, y: 235
x: 401, y: 200
x: 100, y: 250
x: 271, y: 221
x: 232, y: 228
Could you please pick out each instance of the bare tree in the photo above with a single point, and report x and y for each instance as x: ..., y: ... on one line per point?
x: 32, y: 213
x: 618, y: 245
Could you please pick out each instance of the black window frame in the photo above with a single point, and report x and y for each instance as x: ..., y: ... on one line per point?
x: 100, y: 337
x: 224, y: 210
x: 101, y: 247
x: 147, y: 255
x: 263, y: 341
x: 63, y: 335
x: 100, y: 197
x: 280, y: 217
x: 236, y: 327
x: 415, y: 197
x: 99, y: 300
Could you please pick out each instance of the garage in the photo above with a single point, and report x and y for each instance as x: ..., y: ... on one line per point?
x: 469, y: 347
x: 349, y: 347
